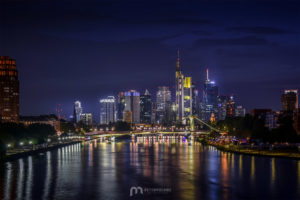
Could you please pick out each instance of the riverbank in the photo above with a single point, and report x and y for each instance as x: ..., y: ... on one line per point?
x: 256, y: 152
x: 37, y: 151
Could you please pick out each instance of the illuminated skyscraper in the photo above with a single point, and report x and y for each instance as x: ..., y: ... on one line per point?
x: 108, y: 110
x: 146, y: 108
x: 163, y: 103
x: 179, y: 87
x: 222, y: 106
x: 240, y: 111
x: 188, y: 96
x: 230, y: 108
x: 9, y: 90
x: 195, y: 101
x: 120, y: 106
x: 86, y: 118
x: 77, y: 111
x: 210, y: 97
x: 290, y: 100
x: 132, y: 104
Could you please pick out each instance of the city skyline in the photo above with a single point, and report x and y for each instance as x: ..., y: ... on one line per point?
x: 253, y: 57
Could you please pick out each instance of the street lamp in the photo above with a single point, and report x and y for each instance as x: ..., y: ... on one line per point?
x: 8, y: 145
x: 48, y: 140
x: 30, y: 142
x: 21, y: 143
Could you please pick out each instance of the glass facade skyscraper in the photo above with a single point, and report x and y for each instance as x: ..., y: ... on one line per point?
x: 163, y: 103
x: 108, y: 110
x: 120, y: 106
x: 132, y: 104
x: 179, y: 87
x: 210, y: 97
x: 146, y: 108
x: 77, y: 111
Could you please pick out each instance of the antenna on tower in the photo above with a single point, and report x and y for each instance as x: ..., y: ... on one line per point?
x: 178, y: 61
x: 207, y: 76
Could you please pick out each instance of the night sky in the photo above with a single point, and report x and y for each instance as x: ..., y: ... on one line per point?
x: 69, y: 50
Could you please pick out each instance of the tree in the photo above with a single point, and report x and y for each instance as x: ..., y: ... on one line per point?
x: 122, y: 126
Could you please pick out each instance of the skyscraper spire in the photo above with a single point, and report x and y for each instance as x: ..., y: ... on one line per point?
x: 178, y: 61
x: 207, y: 76
x: 147, y: 92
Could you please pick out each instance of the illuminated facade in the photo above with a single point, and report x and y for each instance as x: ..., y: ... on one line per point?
x: 289, y: 100
x: 195, y: 101
x: 222, y: 106
x: 108, y: 110
x: 87, y: 118
x: 230, y: 108
x: 163, y: 103
x: 179, y: 87
x: 240, y: 111
x: 132, y: 104
x: 188, y: 96
x: 146, y: 108
x: 127, y: 116
x: 9, y: 90
x: 120, y: 106
x: 210, y: 97
x: 77, y: 111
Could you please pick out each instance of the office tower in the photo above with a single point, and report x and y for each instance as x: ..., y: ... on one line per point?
x: 153, y: 115
x: 240, y: 111
x: 222, y: 105
x: 127, y: 116
x: 210, y: 97
x: 289, y: 100
x: 108, y: 110
x: 188, y: 99
x: 230, y: 108
x: 9, y: 90
x: 120, y: 106
x: 132, y: 103
x: 195, y: 101
x: 77, y: 111
x: 87, y: 119
x: 163, y: 101
x: 179, y: 82
x: 296, y: 120
x: 146, y: 108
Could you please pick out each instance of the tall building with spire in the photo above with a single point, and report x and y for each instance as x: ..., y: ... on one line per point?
x: 210, y: 97
x: 179, y: 87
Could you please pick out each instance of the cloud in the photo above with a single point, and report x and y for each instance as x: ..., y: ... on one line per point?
x: 248, y: 40
x: 261, y: 30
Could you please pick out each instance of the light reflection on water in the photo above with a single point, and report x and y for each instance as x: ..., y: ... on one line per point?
x: 102, y: 170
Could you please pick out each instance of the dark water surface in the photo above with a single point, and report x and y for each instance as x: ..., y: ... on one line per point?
x: 99, y: 170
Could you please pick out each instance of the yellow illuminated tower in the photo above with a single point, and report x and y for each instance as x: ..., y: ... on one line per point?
x: 187, y: 89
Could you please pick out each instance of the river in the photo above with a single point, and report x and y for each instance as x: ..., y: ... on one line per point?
x: 128, y: 169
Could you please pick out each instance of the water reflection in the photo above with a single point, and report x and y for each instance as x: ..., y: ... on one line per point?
x: 104, y: 170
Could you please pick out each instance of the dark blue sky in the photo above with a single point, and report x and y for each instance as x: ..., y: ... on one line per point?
x: 84, y: 50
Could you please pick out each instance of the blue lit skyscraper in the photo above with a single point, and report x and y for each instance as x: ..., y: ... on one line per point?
x: 210, y: 97
x: 146, y: 108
